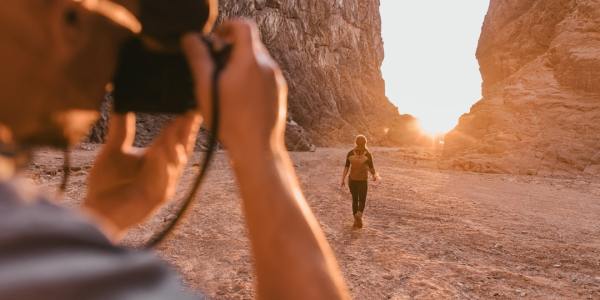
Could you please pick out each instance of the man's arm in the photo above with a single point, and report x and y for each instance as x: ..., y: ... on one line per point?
x: 292, y: 258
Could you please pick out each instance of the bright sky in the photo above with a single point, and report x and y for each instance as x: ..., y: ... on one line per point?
x: 430, y: 68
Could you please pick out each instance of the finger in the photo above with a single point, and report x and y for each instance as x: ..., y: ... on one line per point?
x: 247, y: 45
x: 187, y: 130
x: 245, y: 36
x: 202, y: 66
x: 176, y: 141
x: 213, y: 14
x: 242, y: 34
x: 121, y: 131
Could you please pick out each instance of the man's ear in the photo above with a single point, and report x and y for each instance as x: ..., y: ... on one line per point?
x: 84, y: 47
x: 69, y: 28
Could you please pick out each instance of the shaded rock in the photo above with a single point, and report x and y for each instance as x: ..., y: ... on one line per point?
x: 100, y: 129
x: 296, y: 138
x: 540, y: 112
x: 148, y: 126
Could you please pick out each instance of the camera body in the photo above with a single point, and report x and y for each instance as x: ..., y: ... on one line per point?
x: 152, y: 74
x: 152, y: 82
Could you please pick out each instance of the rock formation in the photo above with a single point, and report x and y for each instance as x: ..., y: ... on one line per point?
x: 540, y: 112
x: 331, y: 53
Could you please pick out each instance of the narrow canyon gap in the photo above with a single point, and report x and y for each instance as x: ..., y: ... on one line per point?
x: 430, y: 68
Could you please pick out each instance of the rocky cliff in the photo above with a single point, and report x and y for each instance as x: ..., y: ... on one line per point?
x: 330, y: 52
x: 540, y: 112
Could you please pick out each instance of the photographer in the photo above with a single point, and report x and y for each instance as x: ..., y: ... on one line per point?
x: 57, y: 57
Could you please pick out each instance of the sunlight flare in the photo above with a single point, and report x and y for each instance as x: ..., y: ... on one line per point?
x: 435, y: 125
x: 430, y: 68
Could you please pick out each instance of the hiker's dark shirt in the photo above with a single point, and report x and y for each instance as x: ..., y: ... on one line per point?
x: 359, y: 173
x: 49, y: 252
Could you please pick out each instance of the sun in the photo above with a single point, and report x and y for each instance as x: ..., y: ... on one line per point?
x: 430, y: 67
x: 435, y: 125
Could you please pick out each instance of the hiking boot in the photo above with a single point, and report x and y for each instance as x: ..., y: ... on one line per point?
x: 358, y: 220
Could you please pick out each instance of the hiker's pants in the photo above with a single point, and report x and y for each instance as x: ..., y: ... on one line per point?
x: 358, y: 189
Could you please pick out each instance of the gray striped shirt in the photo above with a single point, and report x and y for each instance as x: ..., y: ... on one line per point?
x: 49, y: 252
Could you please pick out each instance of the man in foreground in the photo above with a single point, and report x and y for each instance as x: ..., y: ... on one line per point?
x: 57, y: 57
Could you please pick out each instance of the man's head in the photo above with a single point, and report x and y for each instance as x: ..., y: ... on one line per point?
x: 57, y: 57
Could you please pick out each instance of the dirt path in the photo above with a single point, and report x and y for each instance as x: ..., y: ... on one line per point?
x: 428, y: 234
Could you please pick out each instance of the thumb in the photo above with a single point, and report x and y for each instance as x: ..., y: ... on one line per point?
x: 201, y: 66
x: 121, y: 131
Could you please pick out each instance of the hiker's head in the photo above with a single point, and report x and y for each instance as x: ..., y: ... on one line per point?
x: 361, y: 142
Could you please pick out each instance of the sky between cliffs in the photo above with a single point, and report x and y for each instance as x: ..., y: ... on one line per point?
x: 430, y: 69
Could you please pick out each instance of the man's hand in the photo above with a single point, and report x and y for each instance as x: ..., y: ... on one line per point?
x: 253, y: 92
x: 343, y: 183
x: 126, y: 185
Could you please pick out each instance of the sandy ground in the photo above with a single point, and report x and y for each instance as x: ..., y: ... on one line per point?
x: 428, y: 234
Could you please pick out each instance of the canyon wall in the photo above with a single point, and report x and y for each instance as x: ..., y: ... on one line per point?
x: 331, y: 53
x: 540, y: 112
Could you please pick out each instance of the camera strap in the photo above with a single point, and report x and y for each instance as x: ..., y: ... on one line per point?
x: 219, y: 57
x: 66, y: 172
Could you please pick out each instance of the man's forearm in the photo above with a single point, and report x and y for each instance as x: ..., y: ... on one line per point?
x: 293, y: 259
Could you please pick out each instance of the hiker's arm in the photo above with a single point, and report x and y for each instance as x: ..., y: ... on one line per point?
x: 343, y: 182
x: 372, y: 170
x: 292, y: 257
x: 346, y: 168
x: 371, y: 166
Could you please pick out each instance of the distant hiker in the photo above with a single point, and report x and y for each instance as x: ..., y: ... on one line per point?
x: 359, y: 162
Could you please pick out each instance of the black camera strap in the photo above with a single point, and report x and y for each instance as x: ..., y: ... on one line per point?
x: 219, y: 57
x: 66, y: 172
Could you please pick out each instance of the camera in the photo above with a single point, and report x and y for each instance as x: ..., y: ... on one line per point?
x: 152, y: 74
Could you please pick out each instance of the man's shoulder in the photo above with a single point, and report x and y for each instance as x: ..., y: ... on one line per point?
x: 73, y: 254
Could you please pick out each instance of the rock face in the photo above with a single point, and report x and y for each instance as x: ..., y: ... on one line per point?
x: 296, y: 138
x: 540, y: 112
x: 330, y: 52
